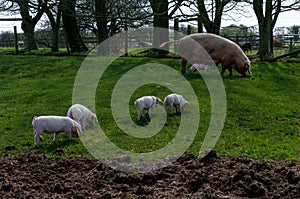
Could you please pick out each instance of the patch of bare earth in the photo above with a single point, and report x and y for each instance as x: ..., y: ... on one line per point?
x: 33, y: 175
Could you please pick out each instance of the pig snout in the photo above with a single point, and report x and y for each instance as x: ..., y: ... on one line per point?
x: 192, y: 69
x: 248, y: 68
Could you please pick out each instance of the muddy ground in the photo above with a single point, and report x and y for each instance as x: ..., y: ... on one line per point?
x: 33, y: 175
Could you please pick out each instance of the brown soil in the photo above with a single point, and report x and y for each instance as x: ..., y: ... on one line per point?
x: 33, y: 175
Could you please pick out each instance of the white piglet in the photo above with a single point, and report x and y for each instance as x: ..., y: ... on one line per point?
x: 175, y: 100
x: 197, y: 67
x: 81, y: 114
x: 146, y: 102
x: 54, y: 124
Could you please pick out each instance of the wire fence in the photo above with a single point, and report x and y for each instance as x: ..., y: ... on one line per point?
x: 287, y: 42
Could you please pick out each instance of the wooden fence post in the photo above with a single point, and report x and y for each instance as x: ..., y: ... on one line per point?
x: 176, y: 29
x: 16, y: 40
x: 126, y: 39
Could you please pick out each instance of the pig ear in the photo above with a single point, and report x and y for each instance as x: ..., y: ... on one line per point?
x: 158, y: 100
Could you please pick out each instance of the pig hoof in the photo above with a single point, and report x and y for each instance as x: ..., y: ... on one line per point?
x: 183, y: 71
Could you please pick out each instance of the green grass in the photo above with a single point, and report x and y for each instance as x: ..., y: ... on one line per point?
x: 263, y: 111
x: 263, y: 114
x: 34, y: 85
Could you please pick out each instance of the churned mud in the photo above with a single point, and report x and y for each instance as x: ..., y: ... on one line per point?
x: 33, y: 175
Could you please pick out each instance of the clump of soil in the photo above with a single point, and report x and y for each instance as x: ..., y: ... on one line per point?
x: 33, y: 175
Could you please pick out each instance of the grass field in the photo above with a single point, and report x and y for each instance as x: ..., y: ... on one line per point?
x: 263, y: 111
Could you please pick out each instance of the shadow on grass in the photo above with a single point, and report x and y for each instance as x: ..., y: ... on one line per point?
x: 145, y: 119
x: 57, y: 148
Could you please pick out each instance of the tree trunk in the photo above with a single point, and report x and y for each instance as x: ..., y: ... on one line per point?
x: 55, y: 24
x: 28, y: 23
x: 71, y: 29
x: 264, y: 51
x: 265, y: 28
x: 266, y: 22
x: 160, y: 20
x: 55, y: 40
x: 101, y: 17
x: 212, y: 25
x: 28, y: 29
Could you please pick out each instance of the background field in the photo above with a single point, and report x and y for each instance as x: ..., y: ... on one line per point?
x: 263, y: 111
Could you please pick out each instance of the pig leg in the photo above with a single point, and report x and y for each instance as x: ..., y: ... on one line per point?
x: 223, y: 70
x: 139, y: 114
x: 36, y: 138
x: 152, y: 111
x: 182, y: 108
x: 147, y: 112
x: 55, y: 137
x: 183, y: 66
x: 165, y: 108
x: 178, y: 108
x: 82, y: 123
x: 230, y: 70
x: 171, y: 108
x: 70, y: 135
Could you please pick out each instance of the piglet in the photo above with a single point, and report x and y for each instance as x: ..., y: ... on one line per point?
x: 146, y: 102
x: 196, y: 67
x: 81, y: 114
x: 175, y: 100
x: 54, y: 124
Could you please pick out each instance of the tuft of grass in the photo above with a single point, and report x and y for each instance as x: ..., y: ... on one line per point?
x: 263, y: 112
